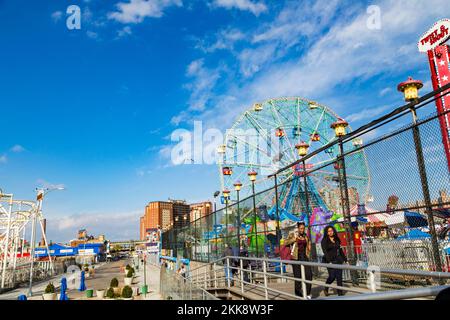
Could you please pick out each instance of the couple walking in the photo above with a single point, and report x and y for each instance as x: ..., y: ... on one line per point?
x: 300, y: 246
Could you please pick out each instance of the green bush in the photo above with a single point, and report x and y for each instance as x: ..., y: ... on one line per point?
x: 128, y: 267
x: 50, y: 288
x: 110, y: 293
x: 129, y: 273
x: 132, y: 270
x: 114, y: 283
x: 127, y: 292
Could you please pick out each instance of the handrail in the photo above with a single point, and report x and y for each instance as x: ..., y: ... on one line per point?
x: 432, y: 274
x: 394, y: 294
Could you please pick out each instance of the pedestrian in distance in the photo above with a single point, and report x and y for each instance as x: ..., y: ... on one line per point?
x: 228, y: 252
x: 243, y: 252
x: 300, y: 246
x: 333, y: 253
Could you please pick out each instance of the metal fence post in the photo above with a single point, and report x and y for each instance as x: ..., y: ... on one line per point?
x: 215, y: 275
x: 302, y: 269
x: 277, y: 212
x: 251, y: 273
x: 281, y: 271
x: 346, y: 208
x: 371, y: 280
x: 266, y: 292
x: 425, y: 190
x: 241, y: 263
x: 227, y: 273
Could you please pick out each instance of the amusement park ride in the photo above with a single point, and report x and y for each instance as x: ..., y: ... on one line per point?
x: 275, y: 133
x: 15, y: 217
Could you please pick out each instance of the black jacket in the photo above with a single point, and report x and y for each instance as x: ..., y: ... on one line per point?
x: 332, y: 251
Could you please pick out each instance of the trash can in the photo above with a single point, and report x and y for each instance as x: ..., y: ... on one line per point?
x: 89, y: 293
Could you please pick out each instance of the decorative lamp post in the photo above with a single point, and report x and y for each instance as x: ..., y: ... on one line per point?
x: 226, y: 197
x: 252, y: 176
x: 237, y: 187
x: 410, y: 89
x: 339, y: 127
x: 340, y: 130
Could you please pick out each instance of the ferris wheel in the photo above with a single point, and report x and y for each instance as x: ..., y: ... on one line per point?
x: 266, y: 137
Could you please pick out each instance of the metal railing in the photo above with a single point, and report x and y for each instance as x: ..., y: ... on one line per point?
x: 266, y: 278
x: 174, y: 286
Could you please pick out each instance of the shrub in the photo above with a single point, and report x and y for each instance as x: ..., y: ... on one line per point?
x: 127, y: 267
x: 50, y: 288
x: 114, y: 283
x: 110, y: 293
x: 132, y: 270
x: 127, y: 292
x: 129, y: 273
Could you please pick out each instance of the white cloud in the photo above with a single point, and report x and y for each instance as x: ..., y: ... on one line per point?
x: 246, y: 5
x: 136, y: 11
x: 115, y: 226
x: 224, y: 39
x: 56, y: 16
x: 367, y: 114
x: 45, y: 184
x: 338, y: 52
x: 92, y: 34
x: 201, y: 84
x: 125, y: 31
x: 17, y: 148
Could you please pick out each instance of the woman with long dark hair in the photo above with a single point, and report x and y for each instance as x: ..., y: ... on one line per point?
x: 331, y: 247
x: 300, y: 251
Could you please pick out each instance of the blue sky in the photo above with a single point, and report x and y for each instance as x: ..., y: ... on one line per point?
x: 93, y: 109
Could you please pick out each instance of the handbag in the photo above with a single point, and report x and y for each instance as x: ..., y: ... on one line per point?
x: 285, y: 253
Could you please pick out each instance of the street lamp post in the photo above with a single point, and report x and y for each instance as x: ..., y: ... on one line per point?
x: 302, y: 150
x: 226, y: 197
x: 410, y: 89
x: 216, y: 194
x: 252, y: 176
x: 237, y: 187
x: 339, y: 127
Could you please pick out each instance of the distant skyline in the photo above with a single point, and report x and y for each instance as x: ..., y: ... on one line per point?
x: 93, y: 109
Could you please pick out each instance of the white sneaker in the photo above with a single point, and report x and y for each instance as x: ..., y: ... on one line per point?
x: 308, y: 298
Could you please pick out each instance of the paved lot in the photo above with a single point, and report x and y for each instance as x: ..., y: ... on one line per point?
x: 104, y: 272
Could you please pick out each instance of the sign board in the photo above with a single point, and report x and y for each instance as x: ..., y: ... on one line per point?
x: 435, y: 36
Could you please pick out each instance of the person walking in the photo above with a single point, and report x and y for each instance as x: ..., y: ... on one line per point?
x: 300, y: 246
x: 228, y: 252
x: 243, y: 252
x: 331, y: 247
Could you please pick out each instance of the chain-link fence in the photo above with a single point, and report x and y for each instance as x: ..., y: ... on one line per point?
x: 385, y: 188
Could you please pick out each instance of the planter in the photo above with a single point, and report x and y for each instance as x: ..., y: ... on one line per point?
x: 127, y: 298
x: 128, y: 281
x: 144, y: 289
x: 117, y: 290
x: 135, y: 291
x: 49, y: 296
x: 89, y: 293
x: 100, y: 293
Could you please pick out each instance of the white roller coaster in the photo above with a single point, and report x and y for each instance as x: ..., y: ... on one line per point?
x: 15, y: 218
